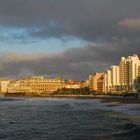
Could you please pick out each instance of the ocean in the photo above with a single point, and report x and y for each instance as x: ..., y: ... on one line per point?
x: 67, y: 119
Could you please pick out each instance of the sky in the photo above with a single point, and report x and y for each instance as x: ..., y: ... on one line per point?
x: 67, y: 38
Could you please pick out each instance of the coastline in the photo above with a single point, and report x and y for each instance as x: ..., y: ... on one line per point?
x: 103, y: 98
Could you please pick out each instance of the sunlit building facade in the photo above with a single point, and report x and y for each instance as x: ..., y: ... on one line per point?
x: 123, y: 77
x: 96, y: 82
x: 129, y: 71
x: 112, y: 79
x: 37, y: 84
x: 72, y: 84
x: 4, y: 84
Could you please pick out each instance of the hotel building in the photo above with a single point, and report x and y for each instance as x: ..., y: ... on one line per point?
x: 37, y: 84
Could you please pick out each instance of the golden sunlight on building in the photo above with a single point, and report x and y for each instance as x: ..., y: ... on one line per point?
x: 123, y: 77
x: 96, y: 82
x: 4, y: 84
x: 71, y: 84
x: 37, y: 84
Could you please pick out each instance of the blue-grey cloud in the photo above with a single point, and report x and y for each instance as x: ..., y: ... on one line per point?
x: 111, y: 27
x: 93, y: 20
x: 75, y: 63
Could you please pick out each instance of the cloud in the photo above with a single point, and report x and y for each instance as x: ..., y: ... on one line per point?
x: 110, y: 29
x: 75, y: 63
x: 92, y: 20
x: 133, y: 24
x: 19, y: 57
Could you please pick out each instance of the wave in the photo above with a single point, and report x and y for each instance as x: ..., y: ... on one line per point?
x: 129, y: 131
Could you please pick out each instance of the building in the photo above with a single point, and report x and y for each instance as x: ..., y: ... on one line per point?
x: 139, y: 71
x: 115, y: 75
x: 129, y: 72
x: 123, y: 77
x: 108, y: 81
x: 71, y: 84
x: 85, y: 84
x: 96, y: 82
x: 15, y: 86
x: 37, y: 84
x: 100, y: 84
x: 4, y: 84
x: 112, y: 79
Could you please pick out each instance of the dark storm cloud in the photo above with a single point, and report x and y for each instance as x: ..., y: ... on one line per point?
x: 76, y: 63
x: 88, y: 19
x: 111, y: 27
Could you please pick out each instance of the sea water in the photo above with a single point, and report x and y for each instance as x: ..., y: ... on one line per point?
x: 67, y: 119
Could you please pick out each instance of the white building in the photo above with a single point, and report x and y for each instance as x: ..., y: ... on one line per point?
x: 112, y: 79
x: 109, y: 84
x: 123, y: 77
x: 115, y: 75
x: 129, y: 71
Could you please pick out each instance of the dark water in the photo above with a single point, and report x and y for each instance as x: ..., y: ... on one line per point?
x: 67, y: 119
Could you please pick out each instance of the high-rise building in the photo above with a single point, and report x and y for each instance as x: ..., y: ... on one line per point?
x: 129, y: 71
x: 100, y: 84
x: 139, y: 71
x: 115, y: 75
x: 123, y: 77
x: 112, y: 79
x: 108, y: 81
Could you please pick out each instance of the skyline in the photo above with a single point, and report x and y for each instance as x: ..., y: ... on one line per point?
x: 64, y: 37
x: 117, y: 79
